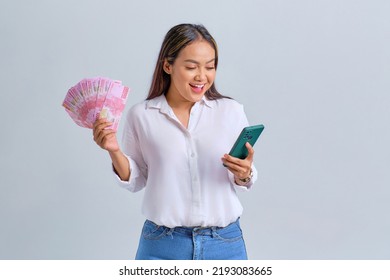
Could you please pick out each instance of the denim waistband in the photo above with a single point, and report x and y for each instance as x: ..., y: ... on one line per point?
x: 197, y: 230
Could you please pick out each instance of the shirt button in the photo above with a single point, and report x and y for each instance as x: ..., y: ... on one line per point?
x: 193, y: 155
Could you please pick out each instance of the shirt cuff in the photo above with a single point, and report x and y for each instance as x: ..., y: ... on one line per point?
x: 134, y: 174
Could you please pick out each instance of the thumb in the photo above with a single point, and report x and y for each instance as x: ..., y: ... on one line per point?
x: 251, y: 151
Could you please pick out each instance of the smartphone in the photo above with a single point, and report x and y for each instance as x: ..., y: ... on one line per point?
x: 248, y: 134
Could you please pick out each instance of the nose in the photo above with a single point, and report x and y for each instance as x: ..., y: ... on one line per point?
x: 200, y: 76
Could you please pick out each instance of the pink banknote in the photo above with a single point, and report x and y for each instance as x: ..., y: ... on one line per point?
x: 96, y: 97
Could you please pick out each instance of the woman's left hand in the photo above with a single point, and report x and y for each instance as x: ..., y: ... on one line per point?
x: 241, y: 168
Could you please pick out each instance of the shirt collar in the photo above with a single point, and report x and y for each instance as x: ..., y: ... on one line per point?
x: 208, y: 103
x: 160, y: 102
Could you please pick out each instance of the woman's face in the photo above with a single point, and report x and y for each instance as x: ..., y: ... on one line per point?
x: 192, y: 73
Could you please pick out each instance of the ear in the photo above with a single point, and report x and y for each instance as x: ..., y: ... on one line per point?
x: 167, y: 67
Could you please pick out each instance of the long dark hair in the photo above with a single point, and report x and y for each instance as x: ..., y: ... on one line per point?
x: 175, y: 40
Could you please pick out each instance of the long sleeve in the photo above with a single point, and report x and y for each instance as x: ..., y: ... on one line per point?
x: 133, y: 152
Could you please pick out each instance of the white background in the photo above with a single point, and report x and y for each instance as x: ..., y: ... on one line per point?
x: 315, y: 73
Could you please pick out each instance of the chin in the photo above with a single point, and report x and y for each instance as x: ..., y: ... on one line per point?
x: 197, y: 97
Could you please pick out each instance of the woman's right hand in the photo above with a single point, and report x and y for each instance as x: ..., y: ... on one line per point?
x: 105, y: 138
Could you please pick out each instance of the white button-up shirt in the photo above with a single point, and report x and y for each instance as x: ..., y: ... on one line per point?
x: 180, y: 168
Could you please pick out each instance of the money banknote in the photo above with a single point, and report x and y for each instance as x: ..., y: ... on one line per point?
x: 92, y: 98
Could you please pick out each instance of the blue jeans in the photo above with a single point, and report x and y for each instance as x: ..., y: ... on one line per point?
x: 191, y: 243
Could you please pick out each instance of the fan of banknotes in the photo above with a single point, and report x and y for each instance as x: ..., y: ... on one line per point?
x: 92, y: 98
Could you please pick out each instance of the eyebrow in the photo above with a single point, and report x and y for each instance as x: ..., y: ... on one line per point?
x: 196, y: 62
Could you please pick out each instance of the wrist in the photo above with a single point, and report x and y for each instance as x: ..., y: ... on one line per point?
x: 121, y: 165
x: 115, y: 154
x: 244, y: 181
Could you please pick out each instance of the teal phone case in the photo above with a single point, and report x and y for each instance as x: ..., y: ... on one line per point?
x: 248, y: 134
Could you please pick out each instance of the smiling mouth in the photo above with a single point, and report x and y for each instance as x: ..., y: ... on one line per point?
x: 197, y: 88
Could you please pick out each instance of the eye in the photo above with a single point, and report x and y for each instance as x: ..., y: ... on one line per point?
x: 210, y: 67
x: 190, y: 67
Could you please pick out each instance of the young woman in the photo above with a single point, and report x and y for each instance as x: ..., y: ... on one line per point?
x: 174, y: 147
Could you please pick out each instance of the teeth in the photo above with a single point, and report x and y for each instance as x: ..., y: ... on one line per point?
x: 198, y: 86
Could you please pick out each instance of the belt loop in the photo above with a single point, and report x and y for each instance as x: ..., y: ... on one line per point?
x: 170, y: 231
x: 214, y: 231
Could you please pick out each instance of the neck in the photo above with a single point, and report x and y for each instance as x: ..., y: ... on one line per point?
x: 181, y: 109
x: 179, y: 104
